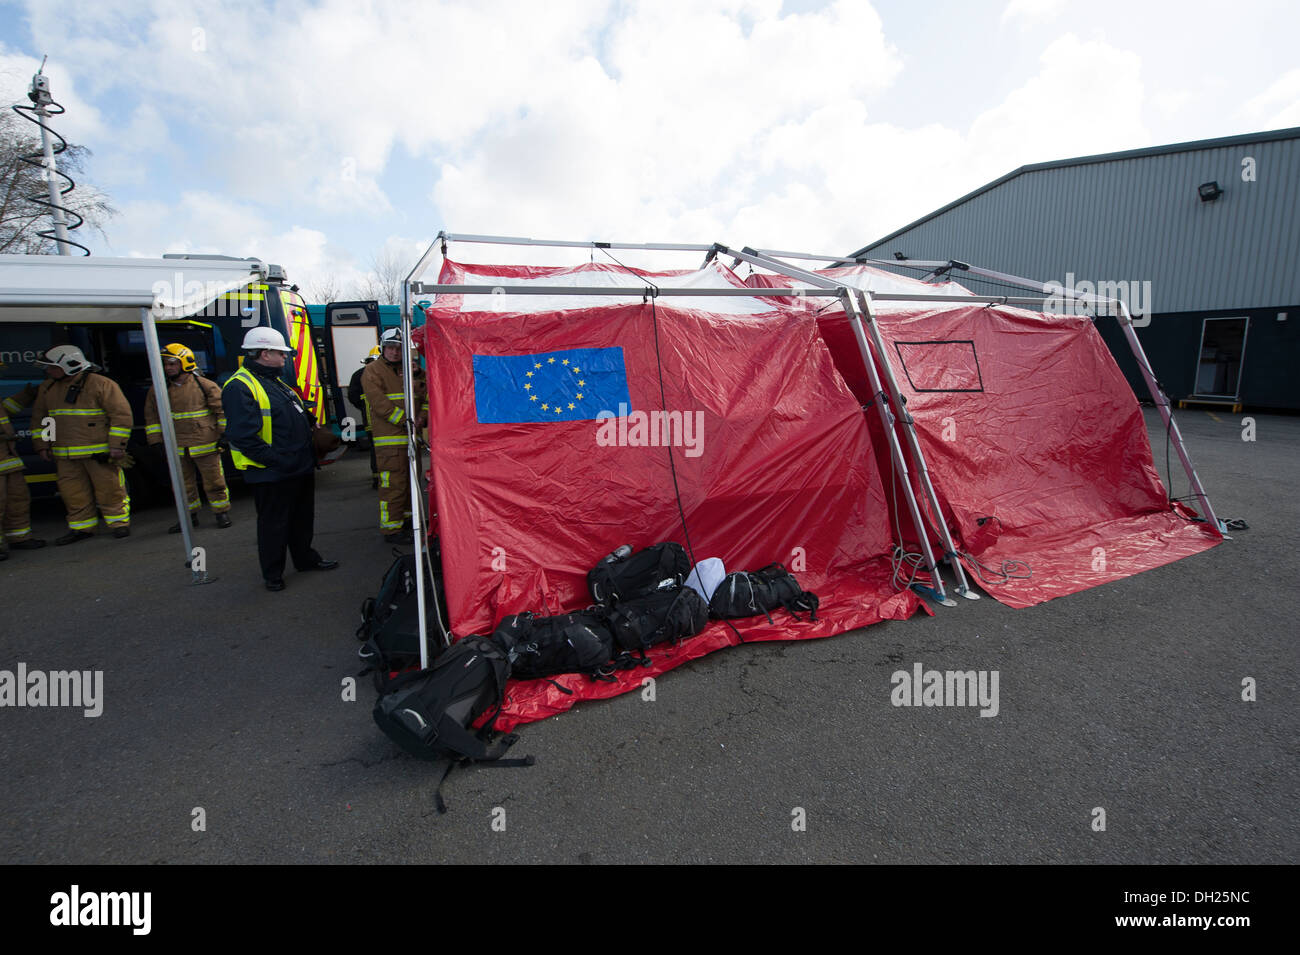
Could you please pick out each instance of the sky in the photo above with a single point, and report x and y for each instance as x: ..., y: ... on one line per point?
x: 322, y: 135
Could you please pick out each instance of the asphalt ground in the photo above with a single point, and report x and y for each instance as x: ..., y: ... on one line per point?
x: 228, y: 699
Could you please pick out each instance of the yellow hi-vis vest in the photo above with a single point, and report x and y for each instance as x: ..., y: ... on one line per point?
x: 242, y: 461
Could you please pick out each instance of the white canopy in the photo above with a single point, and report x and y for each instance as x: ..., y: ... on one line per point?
x: 79, y: 289
x: 76, y: 289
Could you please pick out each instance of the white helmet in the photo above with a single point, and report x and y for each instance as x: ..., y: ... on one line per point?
x: 391, y: 336
x: 265, y: 339
x: 67, y: 357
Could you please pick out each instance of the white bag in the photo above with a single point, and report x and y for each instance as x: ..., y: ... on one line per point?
x: 706, y: 576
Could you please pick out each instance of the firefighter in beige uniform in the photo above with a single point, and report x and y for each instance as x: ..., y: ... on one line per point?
x: 91, y: 423
x: 386, y: 411
x: 199, y: 420
x: 15, y: 501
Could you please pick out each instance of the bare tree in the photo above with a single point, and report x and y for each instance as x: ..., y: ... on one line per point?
x: 21, y: 219
x: 324, y: 289
x: 383, y: 283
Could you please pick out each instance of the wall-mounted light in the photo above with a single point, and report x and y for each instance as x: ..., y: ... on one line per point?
x: 900, y: 256
x: 1209, y: 191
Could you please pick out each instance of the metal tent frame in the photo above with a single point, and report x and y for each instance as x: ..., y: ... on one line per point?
x: 412, y: 288
x: 1048, y: 292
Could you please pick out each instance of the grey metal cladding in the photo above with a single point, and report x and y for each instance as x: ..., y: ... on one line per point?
x: 1136, y: 216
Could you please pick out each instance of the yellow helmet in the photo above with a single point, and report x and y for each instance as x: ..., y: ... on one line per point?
x: 374, y: 353
x: 182, y: 355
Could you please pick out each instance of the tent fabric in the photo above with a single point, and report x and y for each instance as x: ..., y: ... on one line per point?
x: 1035, y: 444
x: 769, y: 450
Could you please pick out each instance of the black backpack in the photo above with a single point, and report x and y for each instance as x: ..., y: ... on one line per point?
x: 745, y: 594
x: 547, y: 646
x: 660, y: 567
x: 741, y: 594
x: 428, y: 713
x: 786, y: 592
x: 390, y: 630
x: 658, y: 617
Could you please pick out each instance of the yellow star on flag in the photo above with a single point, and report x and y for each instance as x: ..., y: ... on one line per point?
x: 532, y: 397
x: 545, y: 406
x: 571, y: 405
x: 549, y: 361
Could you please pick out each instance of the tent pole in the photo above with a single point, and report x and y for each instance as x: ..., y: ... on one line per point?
x: 889, y: 420
x: 914, y: 444
x: 1166, y: 413
x: 169, y: 440
x: 413, y: 468
x: 887, y: 414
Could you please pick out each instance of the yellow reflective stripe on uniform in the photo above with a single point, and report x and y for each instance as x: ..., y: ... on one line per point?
x: 12, y: 406
x: 11, y: 464
x: 182, y: 415
x: 18, y: 532
x: 400, y: 396
x: 241, y: 461
x: 396, y: 415
x: 119, y: 432
x: 384, y: 521
x: 221, y: 422
x: 78, y: 411
x: 390, y: 441
x: 198, y: 450
x: 153, y: 429
x: 78, y: 451
x: 4, y: 420
x: 83, y: 525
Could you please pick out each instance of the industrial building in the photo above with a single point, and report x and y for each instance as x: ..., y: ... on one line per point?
x: 1200, y: 239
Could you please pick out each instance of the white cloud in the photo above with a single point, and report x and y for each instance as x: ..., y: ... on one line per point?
x: 1277, y: 107
x: 1032, y: 12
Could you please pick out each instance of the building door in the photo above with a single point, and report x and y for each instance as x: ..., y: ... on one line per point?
x: 1218, y: 369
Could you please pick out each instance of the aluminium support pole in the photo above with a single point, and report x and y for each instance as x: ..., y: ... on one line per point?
x: 169, y: 440
x: 1166, y: 413
x: 895, y: 449
x: 888, y: 419
x: 914, y: 444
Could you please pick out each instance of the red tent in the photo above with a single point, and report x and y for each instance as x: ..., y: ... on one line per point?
x: 731, y: 432
x: 1035, y: 443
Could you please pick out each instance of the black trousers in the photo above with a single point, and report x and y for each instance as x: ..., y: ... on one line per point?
x: 286, y: 517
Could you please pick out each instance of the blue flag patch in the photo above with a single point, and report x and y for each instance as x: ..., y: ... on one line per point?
x: 572, y: 385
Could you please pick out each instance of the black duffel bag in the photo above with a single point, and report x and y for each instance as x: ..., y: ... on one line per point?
x: 746, y: 594
x: 546, y: 646
x: 643, y: 622
x: 660, y: 567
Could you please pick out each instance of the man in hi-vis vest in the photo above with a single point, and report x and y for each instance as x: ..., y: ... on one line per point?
x: 269, y: 432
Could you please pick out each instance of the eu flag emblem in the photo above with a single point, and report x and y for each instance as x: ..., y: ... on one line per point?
x: 572, y: 385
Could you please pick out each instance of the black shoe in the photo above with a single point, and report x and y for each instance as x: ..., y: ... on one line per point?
x: 399, y: 537
x: 321, y: 564
x: 276, y: 583
x: 31, y: 543
x: 223, y: 519
x: 176, y: 528
x: 120, y: 532
x: 71, y: 537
